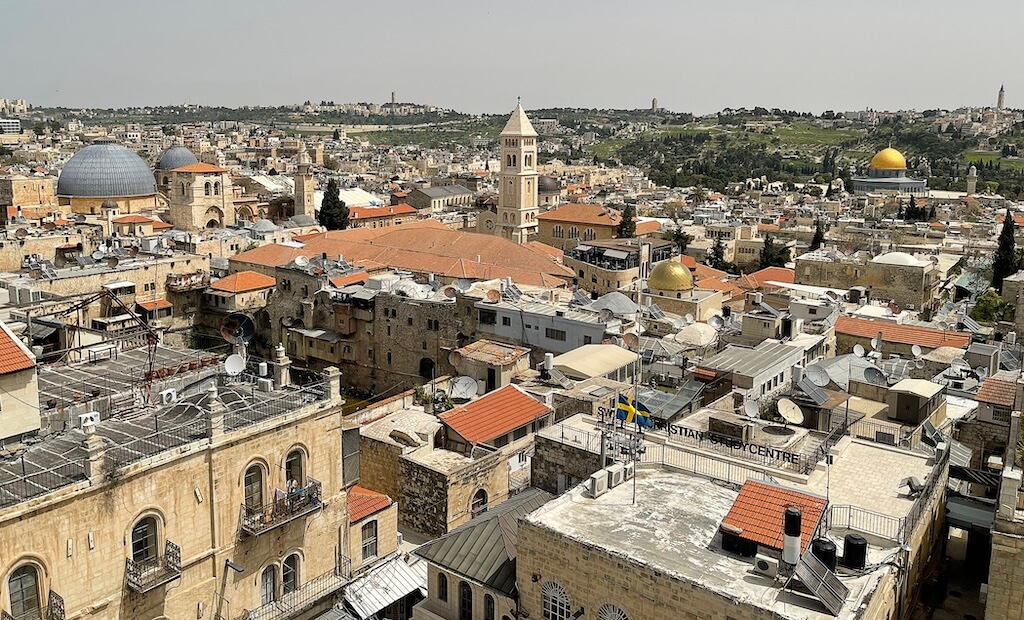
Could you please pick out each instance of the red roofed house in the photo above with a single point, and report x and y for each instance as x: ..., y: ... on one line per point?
x: 135, y: 225
x: 380, y: 217
x: 373, y: 525
x: 238, y: 292
x: 572, y: 224
x: 756, y: 518
x: 996, y: 400
x: 496, y: 420
x: 896, y: 339
x: 19, y: 388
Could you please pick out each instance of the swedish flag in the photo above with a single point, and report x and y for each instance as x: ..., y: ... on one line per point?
x: 633, y: 411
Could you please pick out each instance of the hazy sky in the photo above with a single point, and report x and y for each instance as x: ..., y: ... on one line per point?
x: 478, y: 56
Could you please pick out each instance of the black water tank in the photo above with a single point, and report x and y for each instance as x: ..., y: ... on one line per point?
x: 825, y: 550
x: 855, y: 551
x: 791, y: 522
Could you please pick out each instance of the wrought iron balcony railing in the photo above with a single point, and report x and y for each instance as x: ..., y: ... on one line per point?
x: 149, y: 574
x: 287, y: 506
x: 54, y: 610
x: 294, y: 602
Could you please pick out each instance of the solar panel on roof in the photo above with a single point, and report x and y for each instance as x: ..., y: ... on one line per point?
x: 959, y: 454
x: 579, y: 298
x: 655, y: 312
x: 822, y: 583
x: 511, y: 292
x: 970, y: 324
x: 559, y: 377
x: 814, y: 392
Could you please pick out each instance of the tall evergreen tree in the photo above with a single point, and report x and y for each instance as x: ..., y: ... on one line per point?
x: 1005, y: 261
x: 681, y: 239
x: 716, y: 255
x: 627, y: 227
x: 337, y: 135
x: 333, y: 212
x: 773, y: 255
x: 819, y: 235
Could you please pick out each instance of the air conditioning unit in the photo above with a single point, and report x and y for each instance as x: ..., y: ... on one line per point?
x: 616, y: 474
x: 629, y: 469
x: 168, y: 396
x: 265, y: 385
x: 88, y: 418
x: 764, y: 565
x: 598, y: 484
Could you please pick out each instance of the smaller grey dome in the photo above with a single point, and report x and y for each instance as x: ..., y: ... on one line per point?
x: 547, y: 185
x: 175, y: 157
x: 264, y: 226
x: 109, y: 204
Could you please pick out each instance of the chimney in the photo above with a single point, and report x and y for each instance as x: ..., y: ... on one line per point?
x: 332, y: 383
x: 281, y: 365
x: 791, y: 536
x: 95, y: 450
x: 216, y: 408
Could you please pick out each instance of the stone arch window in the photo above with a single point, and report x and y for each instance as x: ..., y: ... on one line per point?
x: 504, y: 217
x: 268, y: 585
x: 574, y: 232
x: 479, y: 503
x: 611, y: 612
x: 557, y: 231
x: 165, y: 179
x: 254, y: 487
x: 555, y: 601
x: 290, y: 574
x: 216, y: 188
x: 144, y: 540
x: 24, y: 592
x: 465, y: 601
x: 589, y: 235
x: 295, y: 469
x: 442, y: 587
x: 207, y: 189
x: 369, y: 536
x: 528, y: 160
x: 183, y: 189
x: 488, y: 607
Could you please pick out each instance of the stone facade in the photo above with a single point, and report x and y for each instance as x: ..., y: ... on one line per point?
x: 445, y: 606
x: 912, y: 287
x: 557, y: 466
x: 23, y: 191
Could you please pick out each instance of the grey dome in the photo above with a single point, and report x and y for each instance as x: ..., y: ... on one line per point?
x: 105, y: 171
x: 547, y: 185
x: 175, y: 157
x: 264, y: 226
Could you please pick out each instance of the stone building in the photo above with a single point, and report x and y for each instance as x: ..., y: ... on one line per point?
x: 887, y: 174
x: 670, y: 287
x: 429, y: 200
x: 570, y: 225
x: 18, y: 190
x: 896, y: 339
x: 515, y: 216
x: 604, y: 266
x: 1005, y: 598
x: 19, y: 388
x: 910, y: 282
x: 224, y: 503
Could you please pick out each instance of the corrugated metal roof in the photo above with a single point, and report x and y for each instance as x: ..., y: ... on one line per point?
x: 485, y: 548
x: 385, y: 584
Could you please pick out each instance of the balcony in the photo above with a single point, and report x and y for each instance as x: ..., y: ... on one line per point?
x: 54, y: 610
x: 150, y: 574
x: 309, y: 594
x: 183, y: 282
x: 286, y: 507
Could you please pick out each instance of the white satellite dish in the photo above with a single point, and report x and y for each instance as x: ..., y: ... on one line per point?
x: 463, y: 388
x: 817, y: 375
x: 874, y: 376
x: 960, y: 364
x: 301, y: 261
x: 859, y: 351
x: 790, y: 412
x: 752, y: 408
x: 605, y: 315
x: 234, y: 365
x: 876, y: 342
x: 981, y: 371
x: 689, y: 318
x: 916, y: 350
x: 919, y: 364
x: 716, y: 322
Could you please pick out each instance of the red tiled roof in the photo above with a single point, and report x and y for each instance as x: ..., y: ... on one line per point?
x: 650, y: 226
x: 589, y: 214
x: 363, y: 213
x: 768, y: 227
x: 758, y: 512
x: 776, y: 274
x: 243, y: 281
x: 902, y: 334
x: 357, y: 277
x: 494, y: 415
x: 157, y: 224
x: 14, y: 357
x: 133, y: 219
x: 997, y: 392
x: 363, y: 502
x: 159, y: 304
x: 200, y: 167
x: 703, y: 271
x: 689, y: 261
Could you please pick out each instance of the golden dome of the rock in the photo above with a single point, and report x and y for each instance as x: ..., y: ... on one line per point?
x: 670, y: 275
x: 889, y: 159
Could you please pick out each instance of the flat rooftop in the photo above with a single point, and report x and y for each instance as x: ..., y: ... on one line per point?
x: 673, y: 528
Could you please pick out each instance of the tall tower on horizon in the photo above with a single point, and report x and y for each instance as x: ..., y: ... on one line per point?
x: 517, y: 189
x: 304, y: 185
x: 1001, y: 100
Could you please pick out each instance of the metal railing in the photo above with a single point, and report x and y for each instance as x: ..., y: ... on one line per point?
x: 37, y: 483
x: 146, y: 575
x: 287, y: 506
x: 853, y: 518
x: 160, y: 440
x: 924, y: 498
x: 308, y: 594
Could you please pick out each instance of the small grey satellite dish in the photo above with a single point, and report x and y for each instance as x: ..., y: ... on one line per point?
x: 876, y: 343
x: 716, y: 322
x: 817, y: 375
x: 916, y: 350
x: 919, y: 364
x: 981, y: 371
x: 790, y: 412
x: 960, y: 364
x: 605, y: 315
x: 301, y: 261
x: 752, y: 408
x: 234, y: 365
x: 689, y: 318
x: 859, y: 351
x: 874, y: 376
x: 463, y: 388
x: 97, y: 255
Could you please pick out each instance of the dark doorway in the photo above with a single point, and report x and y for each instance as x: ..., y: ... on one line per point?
x: 427, y: 368
x: 492, y: 379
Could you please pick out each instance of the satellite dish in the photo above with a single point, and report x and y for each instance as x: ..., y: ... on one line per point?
x: 103, y: 248
x: 21, y: 233
x: 112, y: 261
x: 817, y: 375
x: 493, y: 296
x: 301, y: 261
x: 97, y: 255
x: 688, y: 318
x: 449, y: 292
x: 894, y: 308
x: 632, y: 340
x: 234, y: 365
x: 237, y: 328
x: 876, y: 343
x: 716, y: 322
x: 832, y: 295
x: 916, y: 350
x: 919, y: 364
x: 133, y: 252
x: 790, y: 412
x: 455, y: 358
x: 858, y: 350
x: 463, y: 388
x: 981, y: 371
x: 605, y: 315
x: 752, y: 408
x: 874, y: 376
x: 960, y: 364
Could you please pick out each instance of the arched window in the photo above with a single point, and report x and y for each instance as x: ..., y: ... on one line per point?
x: 294, y: 470
x: 23, y: 590
x: 165, y: 180
x: 611, y: 612
x: 268, y: 585
x: 207, y: 188
x: 442, y: 587
x: 182, y: 189
x: 508, y: 161
x: 557, y: 231
x: 488, y: 607
x: 555, y: 601
x: 589, y: 235
x: 465, y: 601
x: 216, y: 188
x: 144, y: 541
x: 574, y: 233
x: 504, y: 217
x: 479, y: 505
x: 254, y: 487
x: 369, y: 540
x: 290, y: 574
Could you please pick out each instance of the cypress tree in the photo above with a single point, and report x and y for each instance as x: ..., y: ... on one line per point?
x: 1004, y: 263
x: 333, y: 212
x: 819, y: 235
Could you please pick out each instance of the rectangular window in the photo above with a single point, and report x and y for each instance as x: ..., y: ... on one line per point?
x: 488, y: 317
x: 588, y: 340
x: 555, y: 334
x: 520, y: 432
x: 369, y: 540
x: 506, y: 321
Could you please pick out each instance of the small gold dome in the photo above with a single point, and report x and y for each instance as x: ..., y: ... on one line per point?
x: 670, y: 275
x: 889, y: 159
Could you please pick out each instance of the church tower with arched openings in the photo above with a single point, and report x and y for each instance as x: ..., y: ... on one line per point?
x: 304, y: 185
x: 517, y: 191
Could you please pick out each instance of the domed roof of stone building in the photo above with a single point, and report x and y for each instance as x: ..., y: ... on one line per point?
x: 105, y: 170
x: 109, y: 203
x: 889, y: 159
x: 175, y: 157
x: 897, y: 258
x: 547, y: 185
x: 670, y: 275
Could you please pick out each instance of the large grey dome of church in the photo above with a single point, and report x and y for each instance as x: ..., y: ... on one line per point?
x: 175, y: 157
x: 548, y: 185
x: 105, y: 170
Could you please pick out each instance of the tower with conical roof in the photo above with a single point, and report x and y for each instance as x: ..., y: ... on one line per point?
x: 304, y: 185
x: 1001, y: 100
x: 517, y: 190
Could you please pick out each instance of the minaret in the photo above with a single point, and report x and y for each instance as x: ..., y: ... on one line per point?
x: 304, y: 185
x: 517, y: 190
x: 972, y: 181
x: 1001, y: 100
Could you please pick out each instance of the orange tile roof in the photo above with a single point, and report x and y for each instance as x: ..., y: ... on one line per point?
x: 546, y: 249
x: 689, y: 261
x: 159, y: 304
x: 357, y: 277
x: 776, y: 274
x: 362, y: 213
x: 243, y: 281
x: 714, y: 284
x: 363, y: 502
x: 703, y: 271
x: 157, y: 224
x: 758, y: 512
x: 902, y: 334
x: 14, y: 356
x: 494, y: 414
x: 200, y: 167
x: 133, y: 219
x: 768, y: 227
x: 270, y: 255
x: 589, y: 214
x: 997, y: 392
x: 650, y: 226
